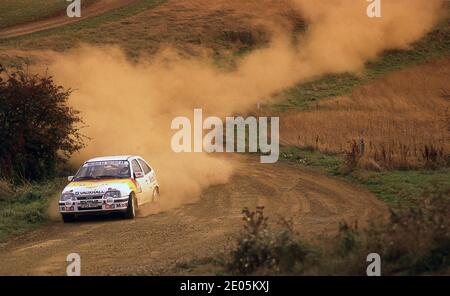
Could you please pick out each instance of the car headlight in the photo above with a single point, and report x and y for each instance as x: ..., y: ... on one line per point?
x: 110, y: 196
x: 113, y: 194
x: 67, y: 196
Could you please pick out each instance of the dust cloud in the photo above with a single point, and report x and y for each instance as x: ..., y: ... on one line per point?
x: 341, y: 37
x: 128, y: 106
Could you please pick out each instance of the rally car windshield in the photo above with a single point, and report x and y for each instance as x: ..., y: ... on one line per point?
x: 103, y: 170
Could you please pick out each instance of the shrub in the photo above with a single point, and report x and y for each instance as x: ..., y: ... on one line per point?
x: 415, y: 240
x: 353, y: 156
x: 348, y: 239
x: 262, y: 250
x: 412, y: 241
x: 37, y: 127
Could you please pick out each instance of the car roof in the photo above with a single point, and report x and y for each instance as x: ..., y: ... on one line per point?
x: 117, y: 157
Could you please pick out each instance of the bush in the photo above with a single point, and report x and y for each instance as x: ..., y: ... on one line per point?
x: 348, y: 239
x: 353, y: 156
x: 261, y: 250
x: 413, y: 241
x: 398, y: 156
x: 416, y: 240
x: 37, y: 127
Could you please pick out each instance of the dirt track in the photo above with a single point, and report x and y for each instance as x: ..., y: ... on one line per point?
x: 97, y: 8
x: 157, y: 244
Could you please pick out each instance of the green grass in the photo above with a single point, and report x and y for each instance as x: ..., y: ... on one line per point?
x: 325, y: 163
x: 305, y: 95
x: 402, y: 187
x: 15, y: 12
x: 394, y: 187
x: 27, y: 207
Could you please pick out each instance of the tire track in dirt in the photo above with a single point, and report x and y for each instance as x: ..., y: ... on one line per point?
x: 97, y: 8
x: 157, y: 244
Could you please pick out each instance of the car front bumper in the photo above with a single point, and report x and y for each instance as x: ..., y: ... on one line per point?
x: 90, y: 206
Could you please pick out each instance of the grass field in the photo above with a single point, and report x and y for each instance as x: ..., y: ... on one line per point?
x: 395, y: 187
x: 306, y: 95
x: 89, y: 31
x: 225, y: 32
x: 403, y: 120
x: 401, y: 115
x: 15, y: 12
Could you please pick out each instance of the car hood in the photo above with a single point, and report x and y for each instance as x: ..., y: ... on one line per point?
x: 99, y: 187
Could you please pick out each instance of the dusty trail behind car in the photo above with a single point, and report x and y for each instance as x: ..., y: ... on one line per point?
x: 158, y: 243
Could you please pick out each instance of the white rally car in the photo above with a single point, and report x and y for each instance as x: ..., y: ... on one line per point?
x: 107, y: 184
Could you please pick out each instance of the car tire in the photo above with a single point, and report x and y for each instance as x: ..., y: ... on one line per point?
x: 68, y: 218
x: 131, y: 209
x: 155, y: 196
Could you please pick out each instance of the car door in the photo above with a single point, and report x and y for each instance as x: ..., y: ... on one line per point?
x: 143, y: 181
x: 150, y: 173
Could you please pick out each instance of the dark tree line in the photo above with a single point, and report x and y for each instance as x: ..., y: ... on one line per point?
x: 38, y: 129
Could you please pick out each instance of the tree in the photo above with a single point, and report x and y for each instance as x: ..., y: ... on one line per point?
x: 37, y: 127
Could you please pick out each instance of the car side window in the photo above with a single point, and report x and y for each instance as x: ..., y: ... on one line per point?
x: 145, y: 166
x: 136, y: 167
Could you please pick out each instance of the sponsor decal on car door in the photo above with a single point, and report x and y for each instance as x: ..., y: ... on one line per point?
x: 150, y: 177
x: 143, y: 182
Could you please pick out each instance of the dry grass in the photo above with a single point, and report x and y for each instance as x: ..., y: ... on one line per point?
x: 5, y: 189
x: 224, y: 26
x: 15, y: 12
x: 401, y: 121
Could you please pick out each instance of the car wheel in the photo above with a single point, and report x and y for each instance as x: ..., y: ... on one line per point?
x: 131, y: 209
x: 155, y: 197
x: 68, y: 218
